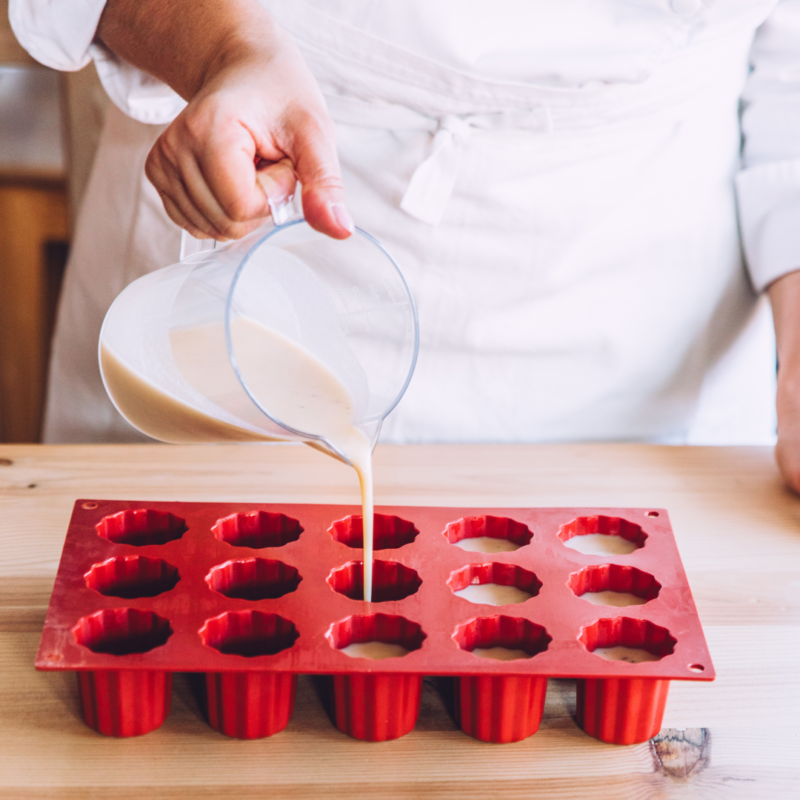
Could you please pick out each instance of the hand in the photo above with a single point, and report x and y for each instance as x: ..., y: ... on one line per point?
x: 251, y: 99
x: 784, y: 295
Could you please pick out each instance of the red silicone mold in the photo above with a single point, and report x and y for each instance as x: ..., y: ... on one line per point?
x: 253, y: 595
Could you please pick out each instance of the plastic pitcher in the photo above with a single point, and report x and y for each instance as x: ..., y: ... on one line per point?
x: 345, y: 304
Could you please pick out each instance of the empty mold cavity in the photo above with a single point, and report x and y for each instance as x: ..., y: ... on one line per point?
x: 257, y: 529
x: 502, y: 638
x: 389, y: 532
x: 626, y: 639
x: 249, y: 633
x: 494, y: 584
x: 253, y: 579
x: 122, y: 631
x: 614, y: 585
x: 487, y: 534
x: 600, y: 535
x: 132, y: 576
x: 141, y: 526
x: 375, y: 636
x: 390, y: 581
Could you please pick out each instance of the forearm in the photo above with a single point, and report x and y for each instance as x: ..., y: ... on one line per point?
x: 784, y: 295
x: 183, y: 42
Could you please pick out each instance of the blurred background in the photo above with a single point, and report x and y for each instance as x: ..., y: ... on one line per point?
x: 49, y: 127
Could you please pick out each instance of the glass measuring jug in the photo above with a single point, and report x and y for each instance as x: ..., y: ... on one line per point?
x: 179, y: 358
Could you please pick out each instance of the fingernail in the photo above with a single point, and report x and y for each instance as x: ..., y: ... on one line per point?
x: 341, y: 215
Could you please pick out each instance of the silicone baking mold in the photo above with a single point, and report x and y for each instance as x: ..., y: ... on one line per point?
x: 253, y: 595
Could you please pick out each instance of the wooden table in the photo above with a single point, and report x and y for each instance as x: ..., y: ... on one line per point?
x: 737, y: 527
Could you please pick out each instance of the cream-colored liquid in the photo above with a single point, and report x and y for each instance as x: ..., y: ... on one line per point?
x: 500, y: 653
x: 293, y: 385
x: 631, y: 655
x: 493, y: 594
x: 375, y: 650
x: 609, y: 598
x: 599, y: 544
x: 487, y: 544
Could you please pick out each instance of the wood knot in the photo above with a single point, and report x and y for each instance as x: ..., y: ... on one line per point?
x: 679, y: 753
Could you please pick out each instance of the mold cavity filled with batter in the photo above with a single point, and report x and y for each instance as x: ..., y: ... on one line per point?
x: 257, y: 529
x: 249, y: 633
x: 375, y: 636
x: 614, y: 585
x: 141, y: 526
x: 390, y: 581
x: 628, y: 640
x: 132, y: 576
x: 502, y: 638
x: 486, y: 534
x: 122, y: 631
x: 389, y: 533
x: 600, y: 535
x: 253, y: 579
x: 494, y: 584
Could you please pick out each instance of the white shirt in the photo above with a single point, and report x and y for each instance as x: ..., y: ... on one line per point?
x: 533, y: 41
x: 592, y: 285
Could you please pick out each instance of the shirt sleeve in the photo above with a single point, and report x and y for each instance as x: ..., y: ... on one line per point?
x: 768, y: 186
x: 60, y: 34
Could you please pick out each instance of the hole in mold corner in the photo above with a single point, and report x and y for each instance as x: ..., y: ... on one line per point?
x: 257, y: 529
x: 627, y: 640
x: 389, y: 532
x: 601, y: 535
x: 132, y: 576
x: 253, y: 579
x: 390, y: 581
x: 122, y: 631
x: 494, y: 584
x: 697, y: 668
x: 88, y: 506
x: 652, y: 514
x: 249, y: 633
x: 487, y: 534
x: 614, y: 585
x: 141, y: 526
x: 375, y: 636
x: 502, y: 638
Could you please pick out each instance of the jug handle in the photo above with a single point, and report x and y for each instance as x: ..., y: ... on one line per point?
x: 190, y: 246
x: 283, y: 192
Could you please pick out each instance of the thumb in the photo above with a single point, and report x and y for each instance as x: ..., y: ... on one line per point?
x: 317, y: 168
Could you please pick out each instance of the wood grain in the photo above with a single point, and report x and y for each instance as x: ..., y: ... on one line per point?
x: 739, y: 534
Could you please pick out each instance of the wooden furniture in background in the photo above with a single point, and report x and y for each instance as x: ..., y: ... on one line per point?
x: 34, y: 232
x: 737, y: 527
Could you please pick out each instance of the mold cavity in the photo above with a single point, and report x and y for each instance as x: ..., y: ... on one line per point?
x: 257, y: 529
x: 132, y: 576
x: 122, y: 631
x: 502, y: 638
x: 494, y: 584
x: 249, y: 633
x: 488, y: 534
x: 389, y: 533
x: 614, y: 585
x: 390, y: 581
x: 628, y: 640
x: 601, y: 536
x: 375, y: 636
x: 253, y: 579
x: 141, y: 526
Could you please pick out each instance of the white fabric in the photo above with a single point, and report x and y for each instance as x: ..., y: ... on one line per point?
x: 556, y: 180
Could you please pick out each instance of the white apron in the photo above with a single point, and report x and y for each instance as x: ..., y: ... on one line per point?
x: 574, y: 253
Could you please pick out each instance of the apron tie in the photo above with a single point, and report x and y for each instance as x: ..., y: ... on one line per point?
x: 433, y: 180
x: 432, y: 183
